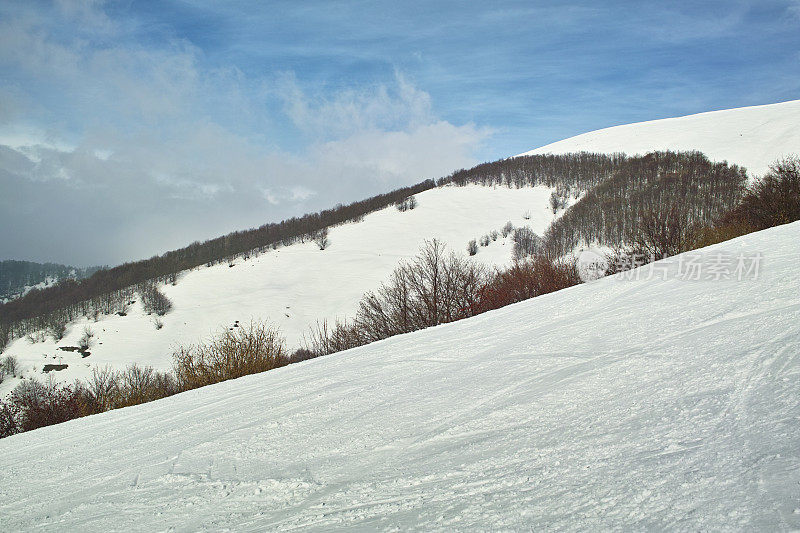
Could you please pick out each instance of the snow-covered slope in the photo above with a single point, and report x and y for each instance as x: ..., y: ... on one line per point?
x: 293, y: 287
x: 643, y: 404
x: 753, y: 137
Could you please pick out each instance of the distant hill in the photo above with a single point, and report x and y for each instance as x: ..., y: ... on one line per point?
x: 18, y: 277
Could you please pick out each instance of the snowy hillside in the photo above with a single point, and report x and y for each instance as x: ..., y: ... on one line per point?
x: 294, y: 286
x: 630, y: 404
x: 753, y: 137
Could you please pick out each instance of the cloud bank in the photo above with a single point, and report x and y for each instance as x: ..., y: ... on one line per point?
x: 113, y: 148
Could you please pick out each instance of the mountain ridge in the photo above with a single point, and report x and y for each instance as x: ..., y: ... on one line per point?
x: 753, y: 136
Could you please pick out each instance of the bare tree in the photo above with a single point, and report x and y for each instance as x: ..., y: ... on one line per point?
x: 526, y: 243
x: 86, y: 339
x: 557, y: 202
x: 321, y: 238
x: 153, y: 300
x: 663, y: 233
x: 434, y: 288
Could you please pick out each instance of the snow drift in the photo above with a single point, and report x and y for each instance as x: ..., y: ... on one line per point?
x: 647, y: 403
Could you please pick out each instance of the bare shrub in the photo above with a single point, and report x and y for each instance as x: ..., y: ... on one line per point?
x: 526, y: 243
x: 141, y: 384
x: 86, y: 341
x: 524, y: 280
x: 772, y: 200
x: 35, y: 405
x: 8, y: 420
x: 229, y: 355
x: 10, y: 365
x: 321, y: 238
x: 324, y: 339
x: 472, y: 247
x: 721, y: 232
x: 301, y: 354
x: 102, y: 389
x: 507, y: 229
x: 433, y: 288
x: 110, y: 389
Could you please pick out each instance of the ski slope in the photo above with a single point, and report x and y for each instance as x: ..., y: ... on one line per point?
x: 753, y: 137
x: 627, y: 404
x: 295, y: 286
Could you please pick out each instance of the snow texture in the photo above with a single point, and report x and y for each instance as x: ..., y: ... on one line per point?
x: 644, y: 404
x: 753, y: 137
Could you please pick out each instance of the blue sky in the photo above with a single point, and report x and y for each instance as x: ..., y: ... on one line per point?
x: 129, y: 128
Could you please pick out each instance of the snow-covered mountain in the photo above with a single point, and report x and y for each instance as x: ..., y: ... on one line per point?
x: 753, y: 137
x: 644, y: 404
x: 294, y: 286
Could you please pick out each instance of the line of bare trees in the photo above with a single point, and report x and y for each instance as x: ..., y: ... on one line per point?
x: 660, y: 187
x: 434, y: 288
x: 619, y: 192
x: 109, y: 291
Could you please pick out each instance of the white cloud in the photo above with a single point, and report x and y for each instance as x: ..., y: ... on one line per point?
x: 399, y: 106
x: 146, y: 148
x: 432, y: 150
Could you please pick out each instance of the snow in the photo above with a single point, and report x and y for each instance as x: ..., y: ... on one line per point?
x: 753, y: 137
x: 28, y: 288
x: 294, y: 286
x: 637, y: 404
